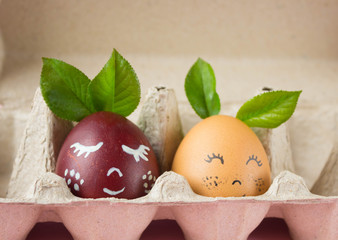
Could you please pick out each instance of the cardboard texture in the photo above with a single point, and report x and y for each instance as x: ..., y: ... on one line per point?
x: 46, y: 196
x: 281, y: 44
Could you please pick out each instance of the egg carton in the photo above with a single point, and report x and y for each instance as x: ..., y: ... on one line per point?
x: 35, y: 194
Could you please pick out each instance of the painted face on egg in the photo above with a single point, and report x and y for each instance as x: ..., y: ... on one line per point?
x: 106, y: 155
x: 222, y: 157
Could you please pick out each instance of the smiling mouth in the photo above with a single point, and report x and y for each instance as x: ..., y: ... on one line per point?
x: 236, y: 181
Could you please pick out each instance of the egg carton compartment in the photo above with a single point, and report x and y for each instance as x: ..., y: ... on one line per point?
x: 36, y: 194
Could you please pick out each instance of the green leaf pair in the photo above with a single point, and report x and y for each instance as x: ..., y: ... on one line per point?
x: 71, y: 95
x: 267, y: 110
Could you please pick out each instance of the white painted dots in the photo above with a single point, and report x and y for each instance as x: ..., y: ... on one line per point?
x: 72, y: 175
x: 149, y: 181
x: 76, y: 187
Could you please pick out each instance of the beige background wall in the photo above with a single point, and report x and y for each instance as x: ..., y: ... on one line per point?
x: 285, y: 44
x: 241, y: 28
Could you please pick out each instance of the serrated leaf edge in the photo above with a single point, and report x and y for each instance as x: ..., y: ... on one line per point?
x: 297, y: 94
x: 42, y: 89
x: 208, y: 113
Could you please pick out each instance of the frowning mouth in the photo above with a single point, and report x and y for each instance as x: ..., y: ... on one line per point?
x: 236, y: 181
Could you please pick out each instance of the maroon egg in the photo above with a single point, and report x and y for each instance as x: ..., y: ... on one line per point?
x: 106, y: 155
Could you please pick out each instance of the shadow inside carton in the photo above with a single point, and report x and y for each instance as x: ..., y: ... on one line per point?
x: 164, y: 230
x: 50, y: 231
x: 271, y: 228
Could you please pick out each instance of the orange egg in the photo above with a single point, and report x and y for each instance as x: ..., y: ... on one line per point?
x: 222, y: 157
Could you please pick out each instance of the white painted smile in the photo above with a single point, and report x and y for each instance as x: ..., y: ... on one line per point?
x: 111, y: 192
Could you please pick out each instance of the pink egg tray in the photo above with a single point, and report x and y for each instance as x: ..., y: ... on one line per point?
x: 37, y: 195
x: 221, y: 219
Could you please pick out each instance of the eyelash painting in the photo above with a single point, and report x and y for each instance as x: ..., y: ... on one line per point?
x: 81, y: 149
x: 210, y: 158
x: 253, y: 158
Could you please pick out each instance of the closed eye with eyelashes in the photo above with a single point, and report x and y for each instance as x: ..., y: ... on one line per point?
x: 214, y: 156
x: 81, y: 149
x: 254, y: 158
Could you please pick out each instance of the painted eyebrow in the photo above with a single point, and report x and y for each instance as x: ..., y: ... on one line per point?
x: 214, y: 156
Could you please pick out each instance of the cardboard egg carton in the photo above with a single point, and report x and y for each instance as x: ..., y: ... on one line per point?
x: 36, y: 194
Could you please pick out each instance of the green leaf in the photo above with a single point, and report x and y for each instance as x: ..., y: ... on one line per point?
x: 200, y: 88
x: 270, y: 109
x: 116, y: 88
x: 64, y: 89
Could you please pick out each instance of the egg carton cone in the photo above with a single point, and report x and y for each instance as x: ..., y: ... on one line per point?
x: 36, y: 194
